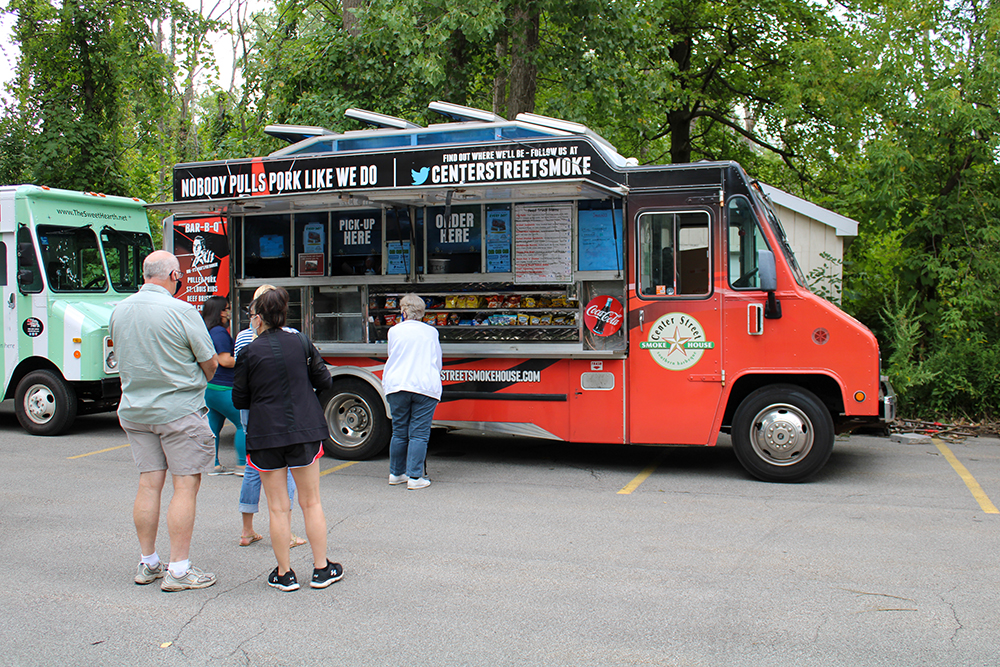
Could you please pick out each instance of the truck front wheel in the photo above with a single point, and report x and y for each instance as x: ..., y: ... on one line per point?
x: 355, y: 415
x: 44, y: 403
x: 782, y: 433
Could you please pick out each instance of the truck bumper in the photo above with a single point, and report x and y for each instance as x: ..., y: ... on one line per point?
x: 887, y: 401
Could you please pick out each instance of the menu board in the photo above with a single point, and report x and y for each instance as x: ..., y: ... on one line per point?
x: 600, y: 240
x: 398, y: 255
x: 543, y: 243
x: 498, y: 240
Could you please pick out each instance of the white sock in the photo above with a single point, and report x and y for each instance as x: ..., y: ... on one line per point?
x: 180, y: 568
x: 152, y: 560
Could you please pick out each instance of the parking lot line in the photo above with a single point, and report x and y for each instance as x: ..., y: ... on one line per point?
x: 970, y: 481
x: 340, y: 467
x: 641, y: 477
x: 99, y: 451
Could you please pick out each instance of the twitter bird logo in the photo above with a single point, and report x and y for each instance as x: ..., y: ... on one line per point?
x: 419, y: 177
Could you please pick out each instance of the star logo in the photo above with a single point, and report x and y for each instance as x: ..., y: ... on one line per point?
x: 676, y: 341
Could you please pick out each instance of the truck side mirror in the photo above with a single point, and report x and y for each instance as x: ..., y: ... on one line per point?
x: 769, y: 283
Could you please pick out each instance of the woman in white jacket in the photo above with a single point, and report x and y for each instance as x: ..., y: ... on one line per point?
x: 412, y: 384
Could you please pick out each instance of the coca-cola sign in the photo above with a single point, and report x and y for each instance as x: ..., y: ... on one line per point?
x: 604, y: 315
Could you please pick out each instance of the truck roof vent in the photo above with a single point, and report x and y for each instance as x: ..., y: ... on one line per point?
x: 462, y: 114
x: 379, y: 120
x: 295, y: 133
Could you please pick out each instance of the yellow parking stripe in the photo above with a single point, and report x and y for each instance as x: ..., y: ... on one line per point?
x: 340, y: 467
x: 970, y: 481
x: 641, y: 477
x: 99, y: 451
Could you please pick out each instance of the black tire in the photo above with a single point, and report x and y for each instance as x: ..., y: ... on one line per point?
x: 782, y: 433
x: 355, y: 415
x: 45, y: 404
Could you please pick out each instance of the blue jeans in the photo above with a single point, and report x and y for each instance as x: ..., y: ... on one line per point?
x: 250, y: 490
x: 220, y: 408
x: 411, y: 429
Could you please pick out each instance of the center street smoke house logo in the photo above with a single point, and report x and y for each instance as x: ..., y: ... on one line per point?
x: 676, y: 341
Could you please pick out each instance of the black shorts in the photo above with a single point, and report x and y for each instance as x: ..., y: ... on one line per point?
x: 293, y: 456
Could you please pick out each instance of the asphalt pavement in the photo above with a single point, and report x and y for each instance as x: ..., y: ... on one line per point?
x: 521, y: 552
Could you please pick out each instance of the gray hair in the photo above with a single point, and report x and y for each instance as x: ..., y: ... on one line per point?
x: 412, y: 307
x: 158, y: 265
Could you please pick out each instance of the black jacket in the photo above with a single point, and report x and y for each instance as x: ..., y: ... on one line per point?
x: 276, y: 383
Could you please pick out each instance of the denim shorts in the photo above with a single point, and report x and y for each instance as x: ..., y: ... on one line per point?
x: 292, y: 456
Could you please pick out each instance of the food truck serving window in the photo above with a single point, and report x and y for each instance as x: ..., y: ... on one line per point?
x: 356, y: 243
x: 267, y: 246
x: 454, y: 239
x: 674, y: 253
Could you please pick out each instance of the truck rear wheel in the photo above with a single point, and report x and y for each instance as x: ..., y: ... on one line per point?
x: 44, y: 403
x: 782, y: 433
x: 355, y: 415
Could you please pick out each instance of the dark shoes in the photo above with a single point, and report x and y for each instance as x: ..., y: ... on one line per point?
x: 285, y: 582
x: 326, y: 576
x: 321, y: 578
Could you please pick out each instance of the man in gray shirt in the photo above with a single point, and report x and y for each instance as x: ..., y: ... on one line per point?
x: 165, y: 359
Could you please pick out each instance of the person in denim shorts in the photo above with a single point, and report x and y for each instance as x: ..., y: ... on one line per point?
x: 165, y: 359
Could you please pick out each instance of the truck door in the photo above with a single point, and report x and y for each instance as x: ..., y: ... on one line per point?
x: 7, y: 282
x: 675, y: 322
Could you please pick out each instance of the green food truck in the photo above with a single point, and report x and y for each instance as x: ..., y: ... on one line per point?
x: 68, y: 259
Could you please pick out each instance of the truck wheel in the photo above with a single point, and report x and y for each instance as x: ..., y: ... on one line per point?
x: 782, y: 433
x: 44, y: 403
x: 355, y: 415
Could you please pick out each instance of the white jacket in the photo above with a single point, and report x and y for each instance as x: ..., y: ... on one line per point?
x: 414, y: 362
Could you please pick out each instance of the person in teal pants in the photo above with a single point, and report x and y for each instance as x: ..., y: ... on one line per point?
x: 219, y: 392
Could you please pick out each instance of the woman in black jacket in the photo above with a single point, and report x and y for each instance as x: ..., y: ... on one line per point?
x: 276, y: 378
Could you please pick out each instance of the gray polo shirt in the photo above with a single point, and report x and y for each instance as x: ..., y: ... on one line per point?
x: 159, y: 342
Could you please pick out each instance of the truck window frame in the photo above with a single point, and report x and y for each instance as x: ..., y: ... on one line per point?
x: 27, y: 260
x: 647, y: 287
x: 84, y: 256
x: 745, y: 255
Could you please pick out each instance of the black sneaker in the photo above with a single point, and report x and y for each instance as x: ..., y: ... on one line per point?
x: 326, y: 576
x: 286, y: 582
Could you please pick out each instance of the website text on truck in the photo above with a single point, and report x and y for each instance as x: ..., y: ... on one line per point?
x: 578, y: 295
x: 68, y: 258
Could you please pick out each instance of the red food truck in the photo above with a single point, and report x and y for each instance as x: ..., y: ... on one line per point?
x: 578, y: 295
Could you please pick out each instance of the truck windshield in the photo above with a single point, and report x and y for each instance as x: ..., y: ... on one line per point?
x: 71, y: 259
x: 124, y: 252
x: 779, y: 231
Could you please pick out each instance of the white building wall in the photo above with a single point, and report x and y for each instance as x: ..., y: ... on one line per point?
x: 809, y: 238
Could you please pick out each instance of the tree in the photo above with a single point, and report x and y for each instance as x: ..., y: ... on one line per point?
x: 926, y: 190
x: 95, y: 89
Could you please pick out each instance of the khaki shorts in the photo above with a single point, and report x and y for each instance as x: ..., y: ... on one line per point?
x: 185, y: 446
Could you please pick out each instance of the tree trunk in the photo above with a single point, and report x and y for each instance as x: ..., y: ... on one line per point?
x: 500, y: 76
x: 523, y: 48
x: 679, y: 120
x: 348, y: 19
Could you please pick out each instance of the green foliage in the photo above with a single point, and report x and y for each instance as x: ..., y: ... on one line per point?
x: 926, y: 192
x: 826, y: 280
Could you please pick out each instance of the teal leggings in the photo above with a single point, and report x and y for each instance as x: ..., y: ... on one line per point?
x: 220, y: 408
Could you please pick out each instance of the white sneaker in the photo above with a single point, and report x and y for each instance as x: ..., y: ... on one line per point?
x: 398, y: 479
x: 418, y: 483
